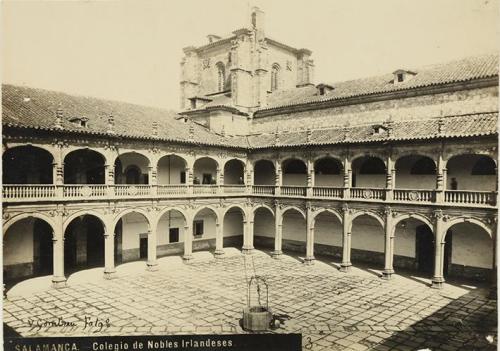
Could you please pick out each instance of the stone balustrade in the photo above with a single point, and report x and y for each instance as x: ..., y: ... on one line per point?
x: 42, y: 192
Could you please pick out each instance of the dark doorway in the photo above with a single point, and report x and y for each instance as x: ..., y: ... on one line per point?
x: 84, y: 244
x: 173, y: 235
x: 118, y: 242
x: 447, y: 253
x: 143, y: 247
x: 425, y: 249
x: 42, y: 248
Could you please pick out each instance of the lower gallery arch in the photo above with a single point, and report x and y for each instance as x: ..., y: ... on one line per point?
x: 293, y: 231
x: 83, y: 244
x: 264, y: 228
x: 367, y: 240
x: 27, y: 250
x: 414, y: 246
x: 327, y: 234
x: 170, y: 233
x: 131, y: 238
x: 204, y: 229
x: 468, y: 252
x: 233, y: 227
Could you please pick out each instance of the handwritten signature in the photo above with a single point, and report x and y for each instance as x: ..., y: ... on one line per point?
x: 94, y: 324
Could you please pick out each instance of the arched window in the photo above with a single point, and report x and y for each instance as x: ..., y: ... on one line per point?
x: 275, y: 77
x: 221, y: 76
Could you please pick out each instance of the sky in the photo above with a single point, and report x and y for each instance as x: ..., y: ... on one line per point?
x: 131, y: 50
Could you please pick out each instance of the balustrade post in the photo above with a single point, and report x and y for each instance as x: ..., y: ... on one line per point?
x: 278, y: 232
x: 347, y: 178
x: 109, y: 179
x: 58, y: 277
x: 310, y: 178
x: 438, y: 278
x: 389, y: 245
x: 109, y: 254
x: 219, y: 239
x: 249, y: 178
x: 219, y: 178
x: 189, y: 180
x: 58, y: 171
x: 346, y: 264
x: 279, y: 179
x: 441, y: 179
x: 390, y: 180
x: 152, y: 263
x: 188, y: 241
x: 309, y: 259
x: 153, y: 179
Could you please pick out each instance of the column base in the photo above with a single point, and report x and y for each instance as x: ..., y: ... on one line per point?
x: 110, y: 274
x: 58, y: 282
x: 219, y: 253
x: 152, y: 266
x: 387, y: 274
x: 345, y: 267
x: 277, y: 254
x: 187, y: 258
x: 247, y: 250
x: 309, y: 261
x: 437, y: 283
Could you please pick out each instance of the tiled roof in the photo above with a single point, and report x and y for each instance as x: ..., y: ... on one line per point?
x: 471, y: 125
x: 36, y: 108
x: 467, y: 69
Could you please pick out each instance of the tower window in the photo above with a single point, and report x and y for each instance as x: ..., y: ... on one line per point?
x: 275, y: 77
x: 221, y: 76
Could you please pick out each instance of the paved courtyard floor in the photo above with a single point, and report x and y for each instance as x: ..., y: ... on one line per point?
x: 332, y: 310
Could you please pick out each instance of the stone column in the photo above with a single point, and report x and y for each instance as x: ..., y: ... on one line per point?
x: 58, y: 278
x: 309, y: 237
x: 152, y: 263
x: 346, y: 264
x: 109, y: 254
x: 188, y: 241
x: 248, y: 235
x: 347, y: 178
x: 441, y: 179
x: 279, y: 178
x: 438, y: 278
x: 278, y: 232
x: 219, y: 239
x: 389, y: 245
x: 390, y: 180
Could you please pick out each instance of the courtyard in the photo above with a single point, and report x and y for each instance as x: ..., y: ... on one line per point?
x: 332, y: 310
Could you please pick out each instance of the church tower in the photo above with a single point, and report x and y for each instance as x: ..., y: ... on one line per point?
x: 224, y: 81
